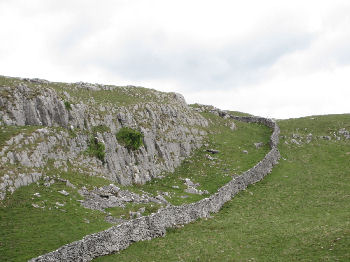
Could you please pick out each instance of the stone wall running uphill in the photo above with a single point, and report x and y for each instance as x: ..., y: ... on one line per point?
x: 121, y: 236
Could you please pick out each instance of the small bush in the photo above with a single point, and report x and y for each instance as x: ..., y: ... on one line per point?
x: 67, y: 105
x: 96, y: 149
x: 130, y: 138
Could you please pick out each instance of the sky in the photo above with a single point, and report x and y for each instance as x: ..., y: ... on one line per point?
x: 278, y: 59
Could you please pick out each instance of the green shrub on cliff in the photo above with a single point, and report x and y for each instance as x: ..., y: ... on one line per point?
x: 67, y: 105
x: 96, y: 148
x: 130, y: 138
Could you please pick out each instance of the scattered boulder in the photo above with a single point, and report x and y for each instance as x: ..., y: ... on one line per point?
x: 36, y: 206
x: 192, y: 190
x: 63, y: 192
x: 245, y: 152
x: 189, y: 183
x: 161, y: 199
x: 309, y: 138
x: 210, y: 157
x: 213, y: 151
x: 295, y: 135
x: 294, y: 141
x: 69, y: 184
x: 344, y: 132
x: 258, y: 145
x: 48, y: 181
x: 37, y: 194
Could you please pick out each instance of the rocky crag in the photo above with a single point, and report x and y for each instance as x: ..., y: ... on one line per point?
x: 56, y: 123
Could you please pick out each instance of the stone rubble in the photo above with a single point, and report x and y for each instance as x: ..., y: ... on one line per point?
x: 344, y: 133
x: 210, y: 157
x: 294, y: 141
x: 192, y: 188
x: 112, y: 196
x: 309, y: 138
x: 298, y: 139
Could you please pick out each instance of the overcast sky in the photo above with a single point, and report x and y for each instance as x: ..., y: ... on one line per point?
x: 277, y: 59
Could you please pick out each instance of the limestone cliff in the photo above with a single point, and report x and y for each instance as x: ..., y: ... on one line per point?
x: 56, y: 121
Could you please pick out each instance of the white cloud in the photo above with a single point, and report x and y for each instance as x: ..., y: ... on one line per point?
x: 273, y: 58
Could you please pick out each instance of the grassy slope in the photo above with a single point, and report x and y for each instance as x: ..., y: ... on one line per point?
x: 10, y: 131
x: 300, y: 212
x: 118, y: 96
x: 26, y: 232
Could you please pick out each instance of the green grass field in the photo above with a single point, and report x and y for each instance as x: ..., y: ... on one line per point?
x: 300, y: 212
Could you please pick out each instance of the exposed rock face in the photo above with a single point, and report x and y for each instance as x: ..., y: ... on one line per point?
x: 171, y: 131
x: 25, y: 106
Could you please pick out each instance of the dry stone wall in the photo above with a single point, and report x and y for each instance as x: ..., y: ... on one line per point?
x: 120, y: 237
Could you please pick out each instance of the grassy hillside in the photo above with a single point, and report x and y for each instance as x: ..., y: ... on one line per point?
x: 300, y: 212
x: 83, y: 92
x: 26, y: 232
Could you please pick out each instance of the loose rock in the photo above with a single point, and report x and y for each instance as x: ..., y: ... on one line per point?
x: 213, y: 151
x: 63, y: 192
x: 258, y: 145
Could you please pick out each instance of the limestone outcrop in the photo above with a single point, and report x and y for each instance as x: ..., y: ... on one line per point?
x: 66, y: 122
